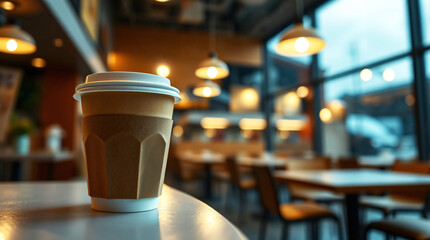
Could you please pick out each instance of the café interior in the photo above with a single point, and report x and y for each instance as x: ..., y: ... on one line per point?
x: 299, y: 119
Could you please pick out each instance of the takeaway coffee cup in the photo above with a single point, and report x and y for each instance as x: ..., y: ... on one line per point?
x: 127, y: 121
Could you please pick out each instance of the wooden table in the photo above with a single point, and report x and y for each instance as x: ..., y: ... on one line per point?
x: 19, y: 159
x: 206, y: 160
x: 61, y: 210
x: 352, y: 183
x: 376, y: 162
x: 274, y: 162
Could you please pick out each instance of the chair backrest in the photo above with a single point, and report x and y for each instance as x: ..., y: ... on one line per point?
x: 233, y: 170
x: 318, y: 163
x: 347, y: 163
x: 267, y: 189
x: 414, y: 167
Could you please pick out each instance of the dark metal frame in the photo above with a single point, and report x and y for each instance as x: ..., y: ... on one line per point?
x: 420, y: 89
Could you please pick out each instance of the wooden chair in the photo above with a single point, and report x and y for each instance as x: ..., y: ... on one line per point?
x: 414, y: 229
x: 401, y: 201
x: 242, y: 185
x: 348, y: 163
x: 310, y: 212
x: 298, y: 191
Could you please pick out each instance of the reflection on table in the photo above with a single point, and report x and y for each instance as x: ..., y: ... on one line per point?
x: 62, y: 211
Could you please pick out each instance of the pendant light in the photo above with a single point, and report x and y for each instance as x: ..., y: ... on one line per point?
x: 212, y: 67
x: 14, y: 40
x: 300, y: 41
x: 207, y: 89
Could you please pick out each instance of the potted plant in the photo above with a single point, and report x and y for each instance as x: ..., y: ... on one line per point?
x: 20, y: 128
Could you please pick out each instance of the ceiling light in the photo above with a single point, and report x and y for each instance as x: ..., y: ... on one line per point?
x: 14, y: 40
x: 302, y: 92
x: 7, y: 5
x: 207, y: 89
x: 163, y: 70
x: 212, y: 68
x: 300, y: 41
x: 38, y: 62
x: 366, y: 74
x: 388, y: 74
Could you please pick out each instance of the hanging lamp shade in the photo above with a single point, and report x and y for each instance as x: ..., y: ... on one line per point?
x: 300, y: 41
x: 207, y: 89
x: 212, y: 68
x: 14, y: 40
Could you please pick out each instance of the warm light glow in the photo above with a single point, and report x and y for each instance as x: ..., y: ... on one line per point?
x: 292, y: 102
x: 252, y: 124
x: 410, y: 100
x: 389, y: 74
x: 214, y: 123
x: 7, y: 5
x: 162, y: 0
x: 284, y: 135
x: 207, y: 91
x: 290, y: 124
x: 178, y: 131
x: 111, y: 59
x: 301, y: 44
x: 247, y: 134
x: 325, y: 115
x: 212, y: 68
x: 366, y: 74
x: 58, y: 42
x: 14, y: 40
x: 302, y: 91
x: 163, y: 70
x: 337, y: 109
x: 11, y: 45
x: 38, y: 62
x: 212, y: 72
x: 185, y: 103
x: 210, y: 133
x: 300, y: 41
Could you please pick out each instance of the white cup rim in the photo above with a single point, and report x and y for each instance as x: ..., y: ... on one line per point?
x: 126, y: 82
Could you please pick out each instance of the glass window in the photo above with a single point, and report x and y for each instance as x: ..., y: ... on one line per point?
x: 360, y: 32
x: 371, y: 112
x: 425, y: 19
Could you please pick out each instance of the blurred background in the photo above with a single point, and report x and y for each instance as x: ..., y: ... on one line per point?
x: 364, y: 95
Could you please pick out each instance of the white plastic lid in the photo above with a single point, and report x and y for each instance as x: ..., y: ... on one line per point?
x: 126, y: 82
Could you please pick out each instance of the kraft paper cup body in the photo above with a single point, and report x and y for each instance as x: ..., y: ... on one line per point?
x: 126, y: 129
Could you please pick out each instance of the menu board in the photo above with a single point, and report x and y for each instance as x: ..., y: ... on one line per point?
x: 10, y: 79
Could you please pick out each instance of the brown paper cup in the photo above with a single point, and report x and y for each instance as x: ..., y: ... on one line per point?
x: 126, y: 138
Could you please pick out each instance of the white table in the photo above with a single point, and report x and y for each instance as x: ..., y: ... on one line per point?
x: 61, y: 210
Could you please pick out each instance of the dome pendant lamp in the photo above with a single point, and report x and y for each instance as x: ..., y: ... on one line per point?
x: 207, y: 89
x: 212, y: 68
x: 300, y: 41
x: 14, y: 40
